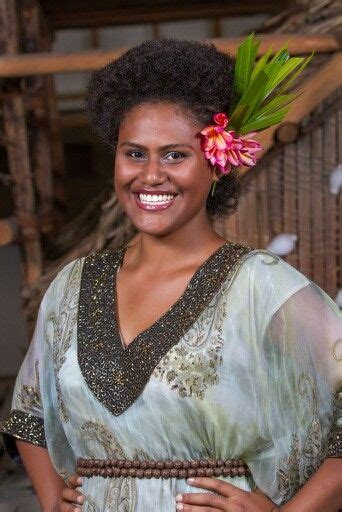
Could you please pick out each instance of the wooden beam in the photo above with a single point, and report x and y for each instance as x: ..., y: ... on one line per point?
x: 47, y: 63
x: 314, y: 91
x: 96, y: 14
x: 9, y: 231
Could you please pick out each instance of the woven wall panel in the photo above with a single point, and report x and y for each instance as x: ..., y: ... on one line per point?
x: 291, y: 194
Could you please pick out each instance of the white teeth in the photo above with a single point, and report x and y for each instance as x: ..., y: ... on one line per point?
x: 156, y: 198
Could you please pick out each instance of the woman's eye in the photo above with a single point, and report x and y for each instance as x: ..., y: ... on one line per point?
x: 174, y: 155
x: 135, y: 154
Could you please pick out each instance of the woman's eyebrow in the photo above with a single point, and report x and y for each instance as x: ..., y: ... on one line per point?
x: 168, y: 146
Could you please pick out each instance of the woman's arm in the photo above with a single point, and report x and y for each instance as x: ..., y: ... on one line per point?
x: 322, y: 492
x: 47, y: 484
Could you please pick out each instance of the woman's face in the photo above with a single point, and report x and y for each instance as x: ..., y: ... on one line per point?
x: 162, y: 178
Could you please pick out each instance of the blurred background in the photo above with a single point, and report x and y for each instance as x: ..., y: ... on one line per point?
x: 56, y: 187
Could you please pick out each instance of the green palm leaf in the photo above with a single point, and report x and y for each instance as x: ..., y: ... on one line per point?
x: 262, y: 86
x: 244, y: 63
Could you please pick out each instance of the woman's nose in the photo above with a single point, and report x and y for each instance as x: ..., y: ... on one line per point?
x: 153, y: 172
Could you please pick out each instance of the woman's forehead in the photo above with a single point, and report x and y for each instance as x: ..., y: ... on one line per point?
x: 165, y: 121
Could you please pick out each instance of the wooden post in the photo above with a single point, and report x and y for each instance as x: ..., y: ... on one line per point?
x: 31, y: 22
x: 15, y: 131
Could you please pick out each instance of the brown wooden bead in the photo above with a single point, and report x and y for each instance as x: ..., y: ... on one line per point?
x: 165, y: 473
x: 194, y: 464
x: 128, y: 464
x: 203, y: 463
x: 103, y: 472
x: 220, y: 463
x: 116, y: 471
x: 112, y: 462
x: 140, y: 473
x: 148, y: 473
x: 201, y: 472
x: 178, y: 464
x: 136, y: 464
x: 226, y: 471
x: 143, y: 464
x: 241, y: 471
x: 209, y: 472
x: 156, y: 473
x: 174, y: 472
x: 186, y: 464
x: 235, y: 463
x: 228, y: 463
x: 153, y: 464
x: 168, y: 464
x: 132, y: 472
x: 109, y: 471
x: 211, y: 463
x: 234, y: 472
x: 217, y: 471
x: 192, y: 472
x: 120, y: 463
x: 160, y: 465
x: 124, y: 472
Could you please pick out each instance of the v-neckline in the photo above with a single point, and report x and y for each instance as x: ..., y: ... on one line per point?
x: 116, y: 375
x: 155, y: 324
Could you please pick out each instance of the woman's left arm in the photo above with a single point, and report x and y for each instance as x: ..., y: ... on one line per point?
x: 322, y: 492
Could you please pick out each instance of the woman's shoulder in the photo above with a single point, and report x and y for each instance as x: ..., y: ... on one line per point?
x: 267, y: 279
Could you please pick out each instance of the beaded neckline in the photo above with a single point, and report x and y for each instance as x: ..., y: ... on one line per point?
x: 106, y: 365
x: 160, y: 320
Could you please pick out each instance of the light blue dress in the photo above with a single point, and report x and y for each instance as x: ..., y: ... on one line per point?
x: 246, y: 364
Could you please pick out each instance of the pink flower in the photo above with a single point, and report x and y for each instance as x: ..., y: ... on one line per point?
x: 224, y: 149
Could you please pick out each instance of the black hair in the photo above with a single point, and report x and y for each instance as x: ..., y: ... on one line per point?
x: 194, y: 75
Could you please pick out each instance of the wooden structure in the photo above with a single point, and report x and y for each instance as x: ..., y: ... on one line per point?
x: 287, y: 191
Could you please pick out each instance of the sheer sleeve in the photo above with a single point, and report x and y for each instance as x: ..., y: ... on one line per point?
x: 34, y: 414
x: 26, y: 420
x: 299, y: 340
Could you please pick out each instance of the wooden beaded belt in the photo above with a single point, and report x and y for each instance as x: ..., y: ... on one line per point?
x: 116, y: 468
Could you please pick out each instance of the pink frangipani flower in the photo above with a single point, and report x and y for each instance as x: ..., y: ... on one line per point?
x: 224, y: 149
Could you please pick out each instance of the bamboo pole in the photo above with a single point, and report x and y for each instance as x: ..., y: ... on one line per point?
x: 46, y: 63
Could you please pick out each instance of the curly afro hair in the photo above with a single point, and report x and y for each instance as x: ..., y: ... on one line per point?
x: 194, y: 75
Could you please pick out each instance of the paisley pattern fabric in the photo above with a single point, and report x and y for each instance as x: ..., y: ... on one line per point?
x: 251, y: 374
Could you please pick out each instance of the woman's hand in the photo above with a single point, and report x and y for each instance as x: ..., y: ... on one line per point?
x: 71, y: 499
x: 231, y: 499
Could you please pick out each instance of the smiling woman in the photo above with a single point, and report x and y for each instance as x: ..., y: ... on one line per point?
x: 182, y: 362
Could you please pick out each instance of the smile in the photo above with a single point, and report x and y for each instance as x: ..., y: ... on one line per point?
x: 154, y: 202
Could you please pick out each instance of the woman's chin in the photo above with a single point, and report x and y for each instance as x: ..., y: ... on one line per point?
x: 153, y: 229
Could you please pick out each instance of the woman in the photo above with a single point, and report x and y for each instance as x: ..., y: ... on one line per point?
x: 182, y: 353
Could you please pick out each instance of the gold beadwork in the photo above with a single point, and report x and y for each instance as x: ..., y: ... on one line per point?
x: 97, y: 320
x: 25, y: 426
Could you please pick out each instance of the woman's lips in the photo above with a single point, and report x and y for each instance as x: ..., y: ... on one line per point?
x: 150, y: 206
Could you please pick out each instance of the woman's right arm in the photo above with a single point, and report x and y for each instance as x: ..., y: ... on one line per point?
x: 47, y: 484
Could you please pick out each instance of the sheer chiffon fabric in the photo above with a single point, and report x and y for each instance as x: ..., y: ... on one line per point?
x: 257, y: 377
